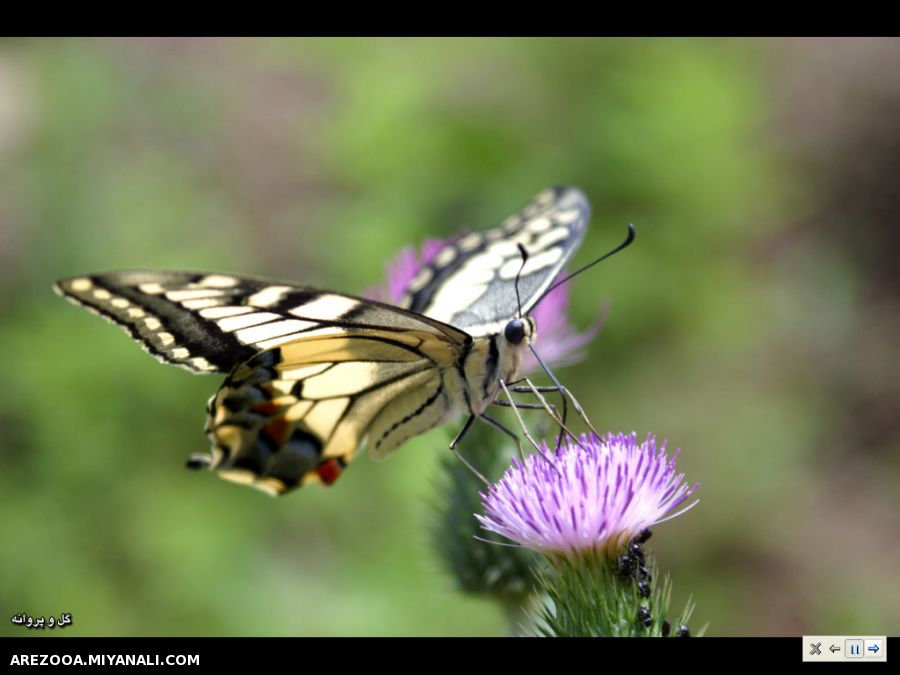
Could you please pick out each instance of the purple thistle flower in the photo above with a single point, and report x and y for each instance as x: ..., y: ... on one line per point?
x: 586, y: 499
x: 559, y: 343
x: 403, y: 269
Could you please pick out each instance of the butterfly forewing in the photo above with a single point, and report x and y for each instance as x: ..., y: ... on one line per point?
x: 470, y: 283
x: 209, y: 323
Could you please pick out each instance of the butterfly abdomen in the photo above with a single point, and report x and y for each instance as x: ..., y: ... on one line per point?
x: 413, y: 412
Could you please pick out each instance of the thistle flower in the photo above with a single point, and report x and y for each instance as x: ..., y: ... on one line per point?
x: 587, y: 499
x: 403, y: 269
x: 558, y: 341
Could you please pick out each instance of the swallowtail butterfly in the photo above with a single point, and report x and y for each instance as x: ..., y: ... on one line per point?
x: 312, y: 375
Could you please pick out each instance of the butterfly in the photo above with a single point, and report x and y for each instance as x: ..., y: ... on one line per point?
x: 313, y: 375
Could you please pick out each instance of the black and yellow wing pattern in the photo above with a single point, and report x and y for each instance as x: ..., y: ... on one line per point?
x: 312, y: 375
x: 470, y: 283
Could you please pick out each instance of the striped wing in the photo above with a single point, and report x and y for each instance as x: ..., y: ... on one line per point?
x: 297, y: 413
x: 470, y: 283
x: 311, y: 374
x: 209, y: 323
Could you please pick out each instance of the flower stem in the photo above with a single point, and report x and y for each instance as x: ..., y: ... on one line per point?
x: 589, y: 597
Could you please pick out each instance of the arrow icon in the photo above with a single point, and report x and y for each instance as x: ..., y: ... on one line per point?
x: 872, y: 648
x: 834, y: 648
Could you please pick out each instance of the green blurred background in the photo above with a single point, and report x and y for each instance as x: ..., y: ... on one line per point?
x: 754, y: 323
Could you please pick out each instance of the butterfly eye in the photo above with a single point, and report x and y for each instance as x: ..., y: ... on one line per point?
x: 514, y: 331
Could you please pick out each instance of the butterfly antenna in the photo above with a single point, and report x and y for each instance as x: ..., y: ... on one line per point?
x: 624, y: 244
x: 518, y: 276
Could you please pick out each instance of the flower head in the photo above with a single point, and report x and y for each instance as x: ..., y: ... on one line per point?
x: 403, y: 269
x: 586, y: 498
x: 559, y: 342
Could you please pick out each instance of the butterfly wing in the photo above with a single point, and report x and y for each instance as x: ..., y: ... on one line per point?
x: 311, y: 374
x: 470, y: 283
x: 297, y: 413
x: 209, y: 323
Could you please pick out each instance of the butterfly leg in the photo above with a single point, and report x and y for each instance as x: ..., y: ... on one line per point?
x: 551, y: 410
x: 514, y: 406
x: 494, y: 423
x: 517, y: 405
x: 536, y: 391
x: 526, y: 406
x: 512, y: 403
x: 565, y: 407
x: 531, y: 406
x: 563, y: 391
x: 566, y: 393
x: 530, y: 389
x: 515, y: 410
x: 462, y: 459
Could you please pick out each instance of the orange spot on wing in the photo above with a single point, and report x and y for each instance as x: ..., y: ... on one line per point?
x: 266, y: 408
x: 329, y: 471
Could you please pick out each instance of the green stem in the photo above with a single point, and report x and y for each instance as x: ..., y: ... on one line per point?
x: 588, y: 597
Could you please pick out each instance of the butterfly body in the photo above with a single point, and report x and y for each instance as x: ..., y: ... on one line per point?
x: 312, y: 375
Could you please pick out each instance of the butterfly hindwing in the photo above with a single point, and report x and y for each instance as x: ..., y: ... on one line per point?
x: 297, y: 413
x: 470, y: 283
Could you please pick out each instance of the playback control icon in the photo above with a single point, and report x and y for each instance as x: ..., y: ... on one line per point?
x: 844, y: 648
